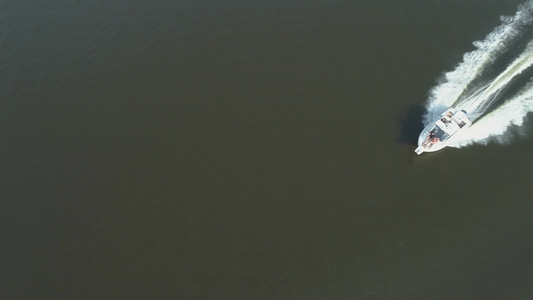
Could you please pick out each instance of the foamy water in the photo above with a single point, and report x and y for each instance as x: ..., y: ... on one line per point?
x: 466, y: 88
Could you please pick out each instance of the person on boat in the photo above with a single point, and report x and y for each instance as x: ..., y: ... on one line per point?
x: 432, y: 137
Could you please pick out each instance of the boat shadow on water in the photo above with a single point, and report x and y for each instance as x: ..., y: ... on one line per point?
x: 411, y: 125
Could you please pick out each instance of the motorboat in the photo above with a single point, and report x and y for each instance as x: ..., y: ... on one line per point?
x: 438, y: 134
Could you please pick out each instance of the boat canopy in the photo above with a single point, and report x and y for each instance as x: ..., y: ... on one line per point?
x: 448, y: 127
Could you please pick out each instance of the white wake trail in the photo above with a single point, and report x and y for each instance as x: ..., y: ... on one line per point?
x: 494, y: 125
x: 458, y: 88
x: 477, y: 105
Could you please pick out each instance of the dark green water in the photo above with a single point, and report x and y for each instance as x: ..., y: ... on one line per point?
x: 249, y: 150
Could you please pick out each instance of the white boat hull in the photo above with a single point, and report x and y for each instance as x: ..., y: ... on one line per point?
x: 438, y: 134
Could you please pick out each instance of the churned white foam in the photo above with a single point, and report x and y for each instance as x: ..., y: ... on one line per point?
x: 457, y: 88
x: 494, y: 125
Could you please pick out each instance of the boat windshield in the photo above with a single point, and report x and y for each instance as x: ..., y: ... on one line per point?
x: 439, y: 133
